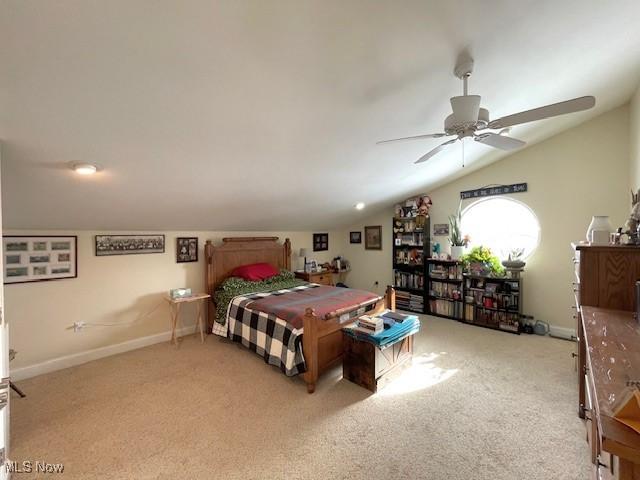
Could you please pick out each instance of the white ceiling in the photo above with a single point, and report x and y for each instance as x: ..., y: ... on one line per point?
x: 263, y: 115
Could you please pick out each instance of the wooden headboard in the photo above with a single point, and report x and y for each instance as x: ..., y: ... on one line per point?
x: 237, y: 251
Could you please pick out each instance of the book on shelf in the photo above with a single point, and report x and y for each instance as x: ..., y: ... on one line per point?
x: 409, y: 301
x: 509, y: 321
x: 446, y: 290
x: 445, y: 272
x: 446, y: 308
x: 409, y: 280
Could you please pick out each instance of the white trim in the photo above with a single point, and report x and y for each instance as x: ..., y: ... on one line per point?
x: 562, y: 332
x: 94, y: 354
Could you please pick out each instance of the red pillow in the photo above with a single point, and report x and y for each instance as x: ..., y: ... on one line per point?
x: 255, y: 272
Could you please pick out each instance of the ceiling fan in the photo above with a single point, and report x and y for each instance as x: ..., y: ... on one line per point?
x: 470, y: 120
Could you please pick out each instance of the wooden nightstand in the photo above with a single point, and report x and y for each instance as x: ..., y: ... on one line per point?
x: 323, y: 278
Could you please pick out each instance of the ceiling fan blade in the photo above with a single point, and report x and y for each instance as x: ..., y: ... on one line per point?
x: 499, y: 141
x: 431, y: 153
x: 553, y: 110
x: 417, y: 137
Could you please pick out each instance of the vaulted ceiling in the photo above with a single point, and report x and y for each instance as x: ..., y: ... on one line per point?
x: 262, y: 115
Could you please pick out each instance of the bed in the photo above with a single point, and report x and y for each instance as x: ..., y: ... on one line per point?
x: 250, y: 320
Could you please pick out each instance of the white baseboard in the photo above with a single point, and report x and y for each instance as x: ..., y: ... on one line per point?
x: 94, y: 354
x: 561, y: 332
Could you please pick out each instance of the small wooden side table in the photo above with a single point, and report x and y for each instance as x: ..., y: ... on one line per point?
x: 175, y: 303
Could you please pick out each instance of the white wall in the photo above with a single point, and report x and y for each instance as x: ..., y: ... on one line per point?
x: 634, y: 141
x: 572, y: 176
x: 124, y: 289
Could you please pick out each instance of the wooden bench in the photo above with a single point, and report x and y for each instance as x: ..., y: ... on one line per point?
x: 373, y: 367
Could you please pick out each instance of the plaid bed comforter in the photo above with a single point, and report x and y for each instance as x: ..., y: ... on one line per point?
x: 279, y: 343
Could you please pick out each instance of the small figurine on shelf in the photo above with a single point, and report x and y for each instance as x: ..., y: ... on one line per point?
x: 423, y: 204
x: 633, y: 222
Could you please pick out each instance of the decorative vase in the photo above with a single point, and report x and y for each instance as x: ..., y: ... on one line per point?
x: 456, y: 252
x: 598, y: 223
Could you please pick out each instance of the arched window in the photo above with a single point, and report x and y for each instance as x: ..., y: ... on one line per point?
x: 502, y: 224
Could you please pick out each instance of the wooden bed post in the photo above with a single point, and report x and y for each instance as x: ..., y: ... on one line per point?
x: 287, y: 254
x: 390, y: 298
x: 310, y: 348
x: 208, y: 281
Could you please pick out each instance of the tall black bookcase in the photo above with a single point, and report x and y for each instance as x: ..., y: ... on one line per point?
x: 411, y: 249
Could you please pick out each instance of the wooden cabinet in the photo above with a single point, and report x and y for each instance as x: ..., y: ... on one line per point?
x: 323, y: 278
x: 606, y: 276
x: 607, y: 335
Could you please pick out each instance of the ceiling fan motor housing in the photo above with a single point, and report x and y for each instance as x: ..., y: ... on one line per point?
x: 467, y: 116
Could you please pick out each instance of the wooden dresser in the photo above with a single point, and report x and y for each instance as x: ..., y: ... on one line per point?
x: 608, y: 353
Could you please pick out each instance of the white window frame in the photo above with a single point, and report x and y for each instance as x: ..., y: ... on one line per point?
x: 511, y: 199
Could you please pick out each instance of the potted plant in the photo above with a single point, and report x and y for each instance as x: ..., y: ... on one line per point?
x: 457, y: 241
x: 514, y: 264
x: 480, y: 261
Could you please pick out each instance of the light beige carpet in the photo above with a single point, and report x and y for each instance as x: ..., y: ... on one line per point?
x: 477, y: 404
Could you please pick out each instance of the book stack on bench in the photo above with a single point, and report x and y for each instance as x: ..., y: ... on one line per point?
x: 395, y: 327
x: 369, y: 325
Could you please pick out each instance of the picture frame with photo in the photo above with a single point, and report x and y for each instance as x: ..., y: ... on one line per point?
x: 373, y: 237
x: 37, y: 258
x: 107, y: 245
x: 355, y: 237
x: 320, y: 242
x: 440, y: 229
x: 186, y: 249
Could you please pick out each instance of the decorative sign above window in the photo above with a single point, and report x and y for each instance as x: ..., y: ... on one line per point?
x: 492, y: 190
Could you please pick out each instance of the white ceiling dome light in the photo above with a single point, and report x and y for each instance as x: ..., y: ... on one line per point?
x: 84, y: 168
x: 359, y: 205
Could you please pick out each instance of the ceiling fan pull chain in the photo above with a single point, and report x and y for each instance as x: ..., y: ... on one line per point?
x: 462, y: 152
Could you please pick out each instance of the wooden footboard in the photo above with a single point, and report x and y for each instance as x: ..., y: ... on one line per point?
x: 322, y: 339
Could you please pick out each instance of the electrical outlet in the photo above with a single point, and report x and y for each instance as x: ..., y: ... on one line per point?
x: 77, y: 326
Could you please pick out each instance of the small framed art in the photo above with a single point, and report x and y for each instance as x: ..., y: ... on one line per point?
x: 373, y: 237
x: 38, y: 257
x: 187, y: 249
x: 355, y: 237
x: 320, y: 242
x: 441, y: 229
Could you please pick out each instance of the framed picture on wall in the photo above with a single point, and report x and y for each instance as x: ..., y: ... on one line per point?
x: 355, y: 237
x: 128, y: 244
x: 441, y: 229
x: 186, y: 249
x: 373, y: 237
x: 320, y: 242
x: 36, y: 258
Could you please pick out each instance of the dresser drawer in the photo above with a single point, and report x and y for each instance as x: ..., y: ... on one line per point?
x: 321, y: 278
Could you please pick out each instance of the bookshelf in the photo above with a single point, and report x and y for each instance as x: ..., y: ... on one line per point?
x: 409, y: 267
x: 493, y: 302
x: 445, y: 288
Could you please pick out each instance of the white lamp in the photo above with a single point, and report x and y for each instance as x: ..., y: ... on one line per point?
x: 303, y: 254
